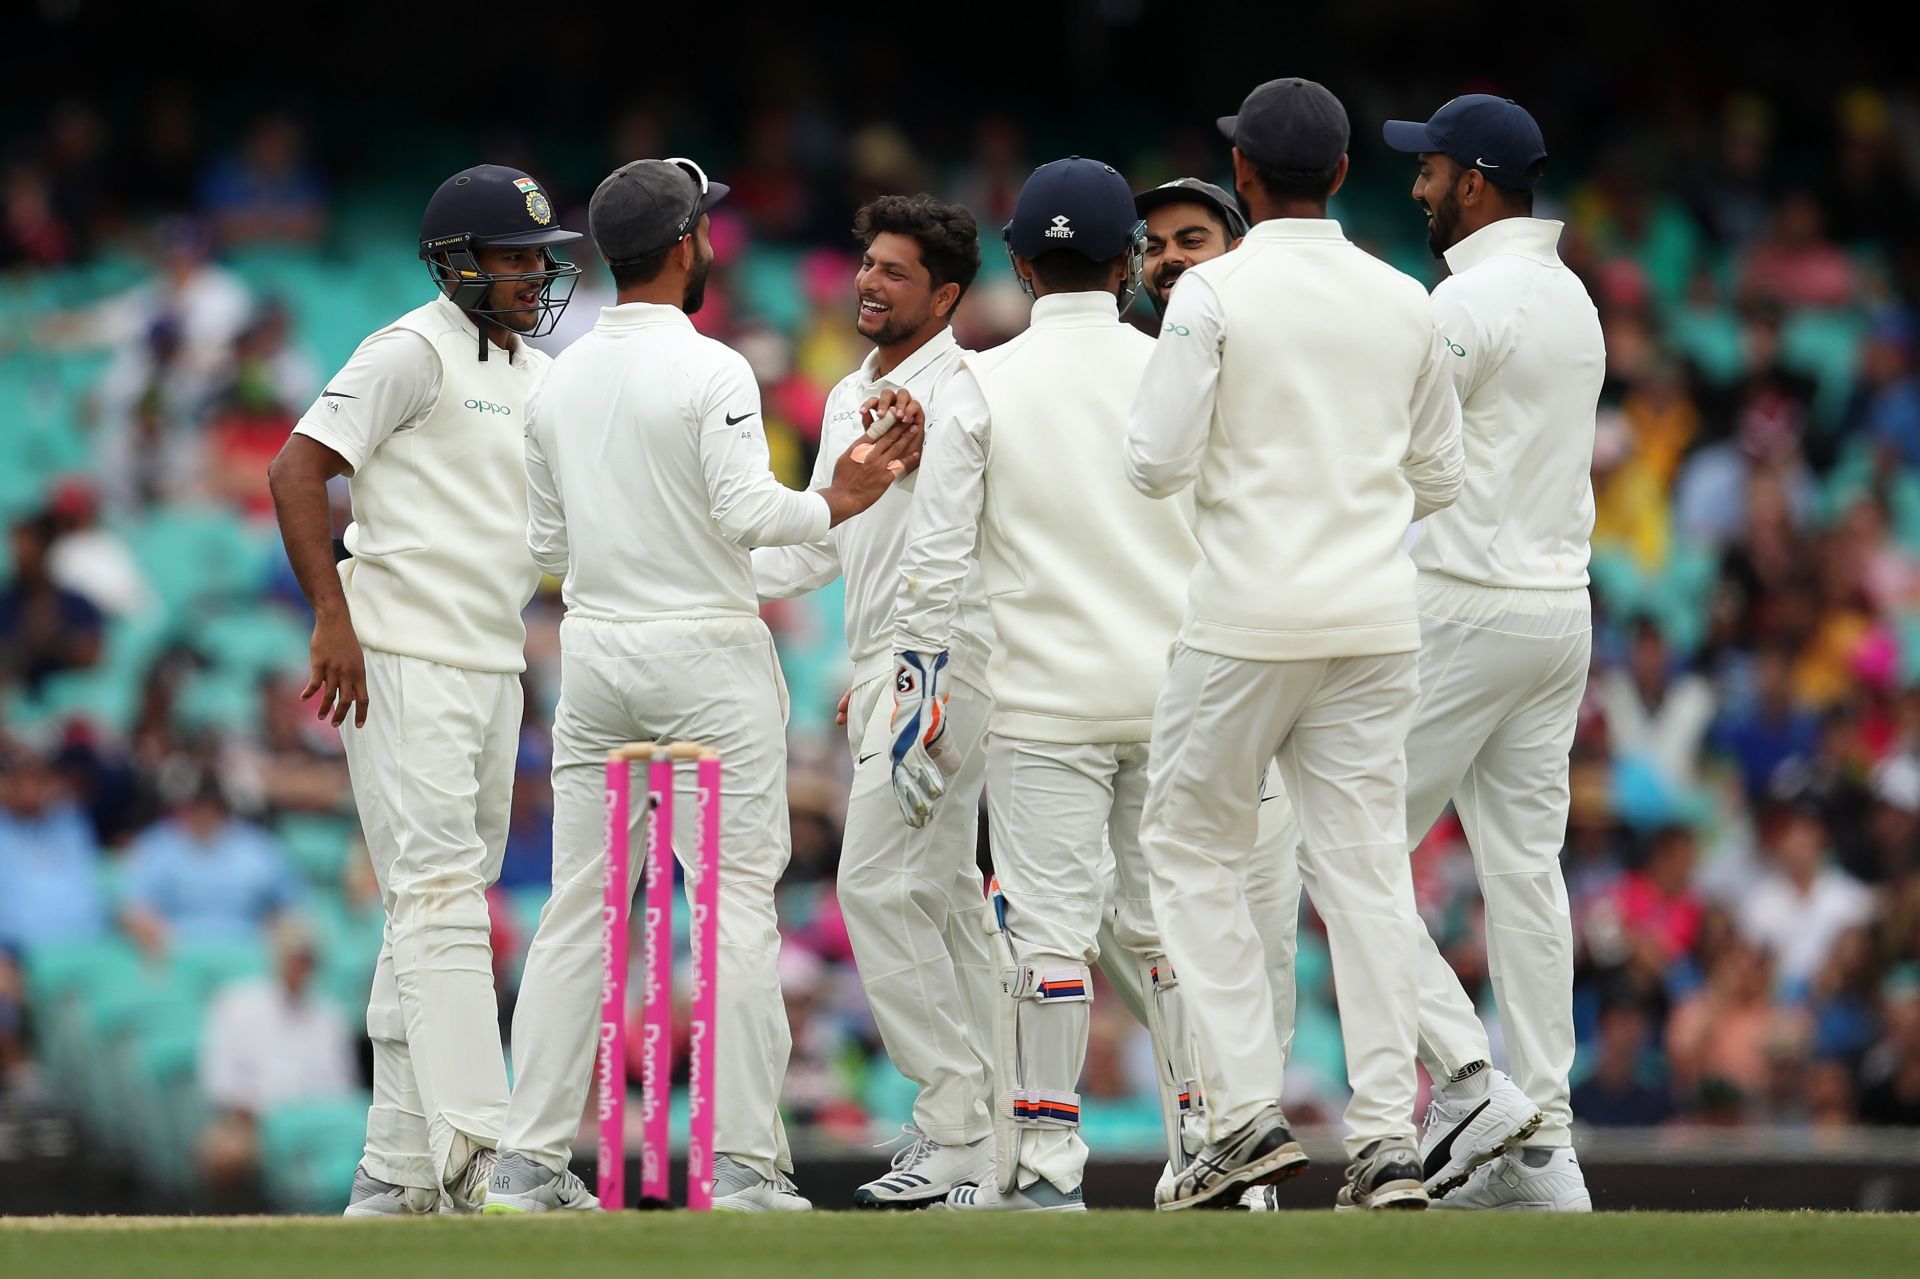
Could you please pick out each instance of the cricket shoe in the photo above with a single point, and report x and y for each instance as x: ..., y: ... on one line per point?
x: 521, y: 1185
x: 1530, y: 1179
x: 1472, y: 1122
x: 925, y: 1171
x: 372, y: 1197
x: 738, y: 1188
x: 1041, y: 1196
x: 467, y: 1192
x: 1261, y: 1152
x: 1252, y: 1199
x: 1385, y: 1174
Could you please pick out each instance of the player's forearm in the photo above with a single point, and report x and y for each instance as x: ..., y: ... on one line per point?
x: 298, y: 482
x: 782, y: 572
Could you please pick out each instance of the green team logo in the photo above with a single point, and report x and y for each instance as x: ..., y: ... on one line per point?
x: 1178, y: 330
x: 487, y: 406
x: 1455, y: 347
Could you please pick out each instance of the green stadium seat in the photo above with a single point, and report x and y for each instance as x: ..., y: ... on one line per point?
x: 317, y: 843
x: 201, y: 968
x: 308, y: 1151
x: 254, y: 641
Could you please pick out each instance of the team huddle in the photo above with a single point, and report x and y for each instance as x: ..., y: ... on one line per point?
x: 1207, y: 619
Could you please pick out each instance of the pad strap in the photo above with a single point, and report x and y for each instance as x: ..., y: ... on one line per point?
x: 1056, y: 985
x: 1042, y: 1108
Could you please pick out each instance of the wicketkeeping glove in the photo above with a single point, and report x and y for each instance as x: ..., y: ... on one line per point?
x: 923, y: 758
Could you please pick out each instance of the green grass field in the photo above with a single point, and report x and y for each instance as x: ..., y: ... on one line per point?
x: 1106, y: 1245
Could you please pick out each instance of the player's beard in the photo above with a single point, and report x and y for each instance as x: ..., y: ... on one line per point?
x: 696, y: 293
x: 897, y: 327
x: 1160, y: 288
x: 1446, y: 221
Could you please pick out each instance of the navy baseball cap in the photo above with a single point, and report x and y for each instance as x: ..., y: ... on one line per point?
x: 1478, y: 131
x: 1289, y: 124
x: 1079, y: 205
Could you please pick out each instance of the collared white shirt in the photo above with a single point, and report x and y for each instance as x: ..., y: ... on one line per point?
x: 648, y: 477
x: 262, y: 1046
x: 867, y: 549
x: 1526, y: 354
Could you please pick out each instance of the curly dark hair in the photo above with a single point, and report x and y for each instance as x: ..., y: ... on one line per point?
x: 948, y: 237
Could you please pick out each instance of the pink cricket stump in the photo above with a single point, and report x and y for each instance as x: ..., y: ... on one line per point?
x: 656, y: 1017
x: 706, y: 953
x: 610, y: 1072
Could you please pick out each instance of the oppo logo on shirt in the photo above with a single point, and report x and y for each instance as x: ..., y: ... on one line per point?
x: 488, y: 406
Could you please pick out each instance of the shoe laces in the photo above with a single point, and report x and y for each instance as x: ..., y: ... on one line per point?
x: 919, y: 1147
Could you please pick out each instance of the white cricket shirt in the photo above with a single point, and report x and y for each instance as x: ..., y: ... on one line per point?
x: 867, y: 549
x: 438, y: 566
x: 1527, y: 357
x: 648, y: 480
x: 1301, y: 382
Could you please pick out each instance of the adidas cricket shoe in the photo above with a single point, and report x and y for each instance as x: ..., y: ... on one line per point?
x: 1471, y: 1122
x: 1262, y: 1152
x: 1041, y: 1196
x: 1385, y: 1174
x: 738, y: 1188
x: 521, y: 1185
x: 1530, y: 1179
x: 925, y: 1171
x: 467, y: 1192
x: 372, y: 1197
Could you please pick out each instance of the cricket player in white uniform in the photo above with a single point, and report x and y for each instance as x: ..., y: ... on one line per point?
x: 1190, y: 221
x: 1505, y: 645
x: 648, y: 484
x: 1083, y: 579
x: 911, y: 898
x: 1301, y: 382
x: 418, y: 633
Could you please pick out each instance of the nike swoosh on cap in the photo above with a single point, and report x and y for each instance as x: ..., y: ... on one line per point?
x: 735, y: 421
x: 1437, y: 1157
x: 1478, y: 163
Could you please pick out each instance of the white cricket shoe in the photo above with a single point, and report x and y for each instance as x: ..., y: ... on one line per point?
x: 925, y: 1171
x: 738, y: 1188
x: 372, y: 1197
x: 467, y: 1192
x: 1041, y: 1196
x: 1261, y: 1199
x: 1385, y: 1174
x: 1531, y: 1179
x: 1472, y: 1122
x: 521, y: 1185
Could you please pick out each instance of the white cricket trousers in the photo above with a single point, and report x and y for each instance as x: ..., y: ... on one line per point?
x: 1337, y: 727
x: 1502, y: 674
x: 432, y: 776
x: 1273, y: 899
x: 1047, y: 806
x: 916, y: 912
x: 712, y: 680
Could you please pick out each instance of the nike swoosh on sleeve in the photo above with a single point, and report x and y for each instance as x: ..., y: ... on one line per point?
x: 735, y: 421
x: 337, y: 395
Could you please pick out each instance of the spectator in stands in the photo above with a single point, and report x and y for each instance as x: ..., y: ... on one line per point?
x: 1717, y: 1038
x: 267, y: 1041
x: 49, y: 883
x: 44, y: 628
x: 1890, y: 1081
x: 291, y: 763
x: 1885, y: 407
x: 32, y: 233
x: 267, y: 191
x: 1771, y: 733
x: 1795, y: 262
x: 1656, y: 714
x: 202, y: 874
x: 1622, y: 1090
x: 1658, y: 909
x: 92, y: 560
x: 1802, y: 906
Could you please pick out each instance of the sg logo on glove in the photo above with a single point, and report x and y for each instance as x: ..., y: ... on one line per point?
x: 922, y: 759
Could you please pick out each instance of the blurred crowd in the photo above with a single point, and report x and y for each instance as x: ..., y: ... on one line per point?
x: 1744, y: 850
